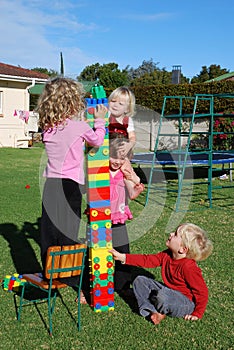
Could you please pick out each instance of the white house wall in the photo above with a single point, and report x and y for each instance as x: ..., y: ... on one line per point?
x: 13, y: 130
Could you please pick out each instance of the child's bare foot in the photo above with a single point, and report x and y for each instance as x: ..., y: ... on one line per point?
x: 156, y: 317
x: 82, y: 299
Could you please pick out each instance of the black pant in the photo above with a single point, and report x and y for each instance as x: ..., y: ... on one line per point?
x: 61, y: 214
x: 122, y: 275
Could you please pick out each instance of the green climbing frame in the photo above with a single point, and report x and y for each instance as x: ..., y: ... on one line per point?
x: 181, y: 128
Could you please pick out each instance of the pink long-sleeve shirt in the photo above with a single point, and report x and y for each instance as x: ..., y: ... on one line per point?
x: 182, y: 275
x: 65, y: 148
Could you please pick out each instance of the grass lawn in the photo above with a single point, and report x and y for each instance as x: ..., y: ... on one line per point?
x: 123, y: 328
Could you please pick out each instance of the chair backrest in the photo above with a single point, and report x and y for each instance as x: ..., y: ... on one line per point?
x: 65, y: 261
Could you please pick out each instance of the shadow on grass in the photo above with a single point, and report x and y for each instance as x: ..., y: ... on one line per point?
x: 22, y: 253
x: 34, y: 297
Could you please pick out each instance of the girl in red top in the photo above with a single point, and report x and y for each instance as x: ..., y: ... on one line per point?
x: 121, y: 109
x: 184, y: 292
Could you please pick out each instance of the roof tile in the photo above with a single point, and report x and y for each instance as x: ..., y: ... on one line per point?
x: 7, y: 69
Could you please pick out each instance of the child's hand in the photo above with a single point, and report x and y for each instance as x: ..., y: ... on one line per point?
x: 118, y: 256
x: 100, y: 111
x: 191, y: 318
x: 124, y: 148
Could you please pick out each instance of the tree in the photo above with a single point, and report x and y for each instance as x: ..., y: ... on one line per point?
x: 112, y: 76
x: 61, y: 65
x: 212, y: 72
x: 147, y: 67
x: 149, y: 74
x: 51, y: 72
x: 155, y: 77
x: 90, y: 73
x: 109, y: 75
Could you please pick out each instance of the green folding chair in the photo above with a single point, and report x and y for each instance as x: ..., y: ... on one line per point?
x: 61, y: 262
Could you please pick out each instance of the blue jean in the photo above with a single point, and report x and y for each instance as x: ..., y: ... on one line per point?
x: 153, y: 296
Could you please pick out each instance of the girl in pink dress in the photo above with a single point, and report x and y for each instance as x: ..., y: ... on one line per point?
x: 120, y: 212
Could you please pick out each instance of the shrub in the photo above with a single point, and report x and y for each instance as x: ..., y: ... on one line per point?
x: 223, y: 138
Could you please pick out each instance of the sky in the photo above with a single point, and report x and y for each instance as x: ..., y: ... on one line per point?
x: 189, y: 33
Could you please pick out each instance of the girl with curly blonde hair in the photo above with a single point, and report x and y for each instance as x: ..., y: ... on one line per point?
x: 61, y: 107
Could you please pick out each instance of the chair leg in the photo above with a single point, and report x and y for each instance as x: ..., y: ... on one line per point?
x: 78, y: 309
x: 51, y: 304
x: 21, y: 302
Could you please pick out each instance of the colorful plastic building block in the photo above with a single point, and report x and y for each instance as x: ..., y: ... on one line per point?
x: 98, y: 91
x: 13, y: 283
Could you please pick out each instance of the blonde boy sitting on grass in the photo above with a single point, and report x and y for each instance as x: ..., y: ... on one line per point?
x: 183, y: 292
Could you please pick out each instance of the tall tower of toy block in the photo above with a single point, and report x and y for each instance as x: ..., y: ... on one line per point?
x: 99, y: 218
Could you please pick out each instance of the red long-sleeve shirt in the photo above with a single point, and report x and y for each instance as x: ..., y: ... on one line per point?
x: 182, y: 275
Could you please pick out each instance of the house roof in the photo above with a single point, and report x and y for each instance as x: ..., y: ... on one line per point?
x: 8, y: 70
x: 221, y: 77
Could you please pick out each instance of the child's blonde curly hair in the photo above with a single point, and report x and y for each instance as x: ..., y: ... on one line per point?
x: 61, y: 98
x: 196, y: 241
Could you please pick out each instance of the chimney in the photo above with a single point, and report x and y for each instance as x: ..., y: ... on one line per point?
x: 176, y: 74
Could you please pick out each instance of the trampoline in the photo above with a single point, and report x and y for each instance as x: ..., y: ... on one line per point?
x: 175, y: 159
x: 180, y: 161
